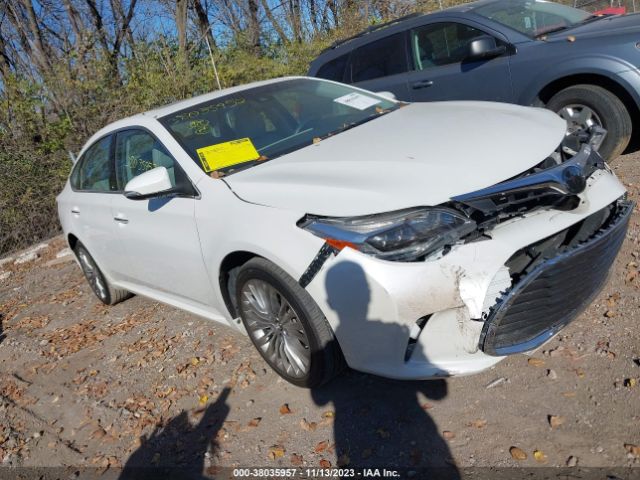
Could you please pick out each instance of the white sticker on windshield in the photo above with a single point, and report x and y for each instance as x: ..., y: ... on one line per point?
x: 527, y: 22
x: 357, y: 100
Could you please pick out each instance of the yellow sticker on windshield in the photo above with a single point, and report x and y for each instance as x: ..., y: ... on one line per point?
x: 227, y: 154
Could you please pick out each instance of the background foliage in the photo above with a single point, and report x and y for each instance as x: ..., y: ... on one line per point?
x: 69, y: 67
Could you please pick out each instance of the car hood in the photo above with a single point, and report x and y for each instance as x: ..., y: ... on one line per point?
x: 419, y: 155
x: 609, y: 26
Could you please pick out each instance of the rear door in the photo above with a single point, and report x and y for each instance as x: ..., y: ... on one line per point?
x: 159, y: 235
x: 440, y: 71
x: 381, y: 65
x: 94, y: 187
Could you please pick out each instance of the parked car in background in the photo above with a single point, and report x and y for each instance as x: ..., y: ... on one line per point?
x: 417, y: 255
x: 529, y: 52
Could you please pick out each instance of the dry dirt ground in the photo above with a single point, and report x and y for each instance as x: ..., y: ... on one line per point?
x: 141, y: 383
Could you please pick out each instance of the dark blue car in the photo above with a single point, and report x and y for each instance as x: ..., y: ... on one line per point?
x: 530, y: 52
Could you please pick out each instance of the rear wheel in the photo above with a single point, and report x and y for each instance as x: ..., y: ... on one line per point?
x: 286, y: 325
x: 583, y: 106
x: 105, y: 292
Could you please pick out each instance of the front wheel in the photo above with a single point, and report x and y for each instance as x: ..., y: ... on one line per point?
x: 286, y: 326
x: 583, y: 106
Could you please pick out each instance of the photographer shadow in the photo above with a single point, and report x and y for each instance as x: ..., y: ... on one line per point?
x: 177, y: 450
x: 379, y: 422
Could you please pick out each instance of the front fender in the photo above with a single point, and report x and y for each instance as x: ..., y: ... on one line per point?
x: 614, y: 69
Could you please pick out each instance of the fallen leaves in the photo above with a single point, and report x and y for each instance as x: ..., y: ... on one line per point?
x: 517, y: 453
x: 276, y: 451
x: 29, y: 324
x: 308, y: 426
x: 555, y: 421
x: 324, y: 463
x: 321, y: 446
x: 536, y: 362
x: 296, y: 460
x: 632, y: 272
x: 448, y: 435
x: 539, y: 456
x: 634, y: 450
x: 284, y: 409
x: 480, y: 423
x: 254, y: 422
x: 79, y: 336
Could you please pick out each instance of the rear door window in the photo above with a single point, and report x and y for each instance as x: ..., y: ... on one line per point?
x: 95, y: 171
x: 334, y: 69
x: 381, y: 58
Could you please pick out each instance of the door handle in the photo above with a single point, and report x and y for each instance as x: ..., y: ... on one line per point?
x: 121, y: 218
x: 422, y: 84
x: 75, y: 210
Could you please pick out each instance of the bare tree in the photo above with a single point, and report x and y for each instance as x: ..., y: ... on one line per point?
x: 181, y: 27
x: 204, y: 26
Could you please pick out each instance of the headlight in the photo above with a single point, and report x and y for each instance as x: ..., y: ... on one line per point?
x: 402, y: 236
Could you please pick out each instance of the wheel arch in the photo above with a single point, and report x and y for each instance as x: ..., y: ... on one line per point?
x: 231, y: 262
x: 550, y: 89
x: 72, y: 240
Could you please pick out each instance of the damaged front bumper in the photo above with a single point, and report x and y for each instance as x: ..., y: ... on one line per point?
x: 442, y: 317
x: 556, y: 289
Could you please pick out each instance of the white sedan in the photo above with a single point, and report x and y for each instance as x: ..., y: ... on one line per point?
x: 339, y: 227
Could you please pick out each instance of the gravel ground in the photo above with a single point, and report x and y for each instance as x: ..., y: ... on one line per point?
x: 142, y: 383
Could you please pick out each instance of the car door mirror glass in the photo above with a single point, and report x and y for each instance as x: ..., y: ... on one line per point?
x: 152, y: 183
x: 484, y: 47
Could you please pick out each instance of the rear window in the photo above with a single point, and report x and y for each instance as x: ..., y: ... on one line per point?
x: 334, y: 69
x: 381, y: 58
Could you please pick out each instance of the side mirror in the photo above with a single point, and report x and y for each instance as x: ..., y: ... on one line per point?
x: 386, y: 94
x: 484, y: 47
x: 150, y: 184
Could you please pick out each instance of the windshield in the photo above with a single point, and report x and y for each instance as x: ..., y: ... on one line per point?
x: 242, y: 129
x: 533, y: 18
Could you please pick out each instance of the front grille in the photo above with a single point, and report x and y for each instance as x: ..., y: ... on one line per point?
x: 555, y: 291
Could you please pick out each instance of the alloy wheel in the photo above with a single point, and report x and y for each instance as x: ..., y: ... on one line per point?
x: 275, y: 328
x: 579, y: 118
x: 92, y: 274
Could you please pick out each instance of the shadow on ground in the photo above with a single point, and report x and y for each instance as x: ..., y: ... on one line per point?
x: 379, y: 422
x: 178, y: 449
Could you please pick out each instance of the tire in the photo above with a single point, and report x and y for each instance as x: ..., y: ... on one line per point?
x: 261, y: 289
x: 106, y: 293
x: 610, y: 112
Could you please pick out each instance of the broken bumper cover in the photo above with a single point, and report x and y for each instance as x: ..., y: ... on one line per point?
x: 555, y: 292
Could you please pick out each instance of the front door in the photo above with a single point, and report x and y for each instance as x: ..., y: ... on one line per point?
x: 441, y: 72
x: 159, y: 235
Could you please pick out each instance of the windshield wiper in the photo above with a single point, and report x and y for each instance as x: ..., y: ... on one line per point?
x: 553, y: 30
x: 587, y: 20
